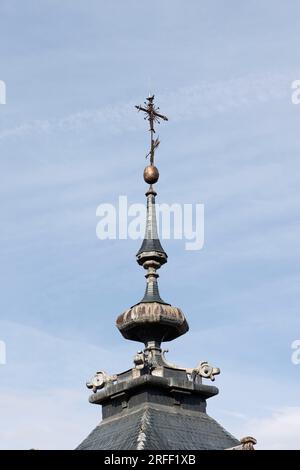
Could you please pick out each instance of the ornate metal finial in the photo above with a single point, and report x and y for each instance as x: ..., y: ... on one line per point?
x: 153, y: 116
x: 151, y: 255
x: 151, y: 319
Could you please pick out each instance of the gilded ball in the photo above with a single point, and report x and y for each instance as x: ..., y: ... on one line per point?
x: 151, y: 174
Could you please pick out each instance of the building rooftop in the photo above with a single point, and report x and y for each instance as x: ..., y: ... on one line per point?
x: 155, y: 404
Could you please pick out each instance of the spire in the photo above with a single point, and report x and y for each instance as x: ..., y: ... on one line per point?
x: 151, y: 243
x: 152, y: 319
x: 156, y: 404
x: 151, y: 254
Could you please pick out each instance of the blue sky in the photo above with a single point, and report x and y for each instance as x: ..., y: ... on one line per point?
x: 70, y: 139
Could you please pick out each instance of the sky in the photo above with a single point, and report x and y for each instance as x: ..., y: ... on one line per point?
x: 70, y: 139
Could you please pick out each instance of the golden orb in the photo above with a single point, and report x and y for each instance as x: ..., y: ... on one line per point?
x: 151, y: 174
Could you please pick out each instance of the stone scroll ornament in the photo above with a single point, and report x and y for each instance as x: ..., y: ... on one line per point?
x: 99, y: 381
x: 205, y: 370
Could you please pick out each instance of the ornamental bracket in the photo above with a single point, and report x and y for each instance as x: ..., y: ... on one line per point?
x: 100, y: 380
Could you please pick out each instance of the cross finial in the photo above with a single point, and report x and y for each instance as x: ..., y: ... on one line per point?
x: 153, y: 116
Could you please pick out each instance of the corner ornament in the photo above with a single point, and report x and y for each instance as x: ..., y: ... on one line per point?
x: 100, y: 380
x: 205, y: 370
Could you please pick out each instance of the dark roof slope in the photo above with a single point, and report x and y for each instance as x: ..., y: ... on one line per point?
x: 159, y: 428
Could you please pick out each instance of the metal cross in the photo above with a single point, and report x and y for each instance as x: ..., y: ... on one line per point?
x: 153, y: 116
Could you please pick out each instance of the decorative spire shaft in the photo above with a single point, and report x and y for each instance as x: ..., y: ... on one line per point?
x: 151, y: 248
x: 152, y: 292
x: 152, y: 319
x: 151, y: 255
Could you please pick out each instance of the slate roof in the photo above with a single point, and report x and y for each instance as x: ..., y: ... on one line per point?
x: 159, y: 428
x: 151, y: 245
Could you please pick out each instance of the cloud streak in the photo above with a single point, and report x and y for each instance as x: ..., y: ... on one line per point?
x: 200, y: 101
x: 278, y: 431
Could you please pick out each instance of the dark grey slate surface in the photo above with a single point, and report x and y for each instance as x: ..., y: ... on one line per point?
x: 159, y: 428
x: 151, y: 245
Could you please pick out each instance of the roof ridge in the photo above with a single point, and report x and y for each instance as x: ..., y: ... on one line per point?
x: 141, y: 438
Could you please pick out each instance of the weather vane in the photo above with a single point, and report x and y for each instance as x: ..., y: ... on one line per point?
x: 153, y: 116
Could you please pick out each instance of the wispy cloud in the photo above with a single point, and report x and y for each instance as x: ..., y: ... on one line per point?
x: 52, y: 419
x: 278, y: 431
x: 50, y: 400
x: 202, y: 100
